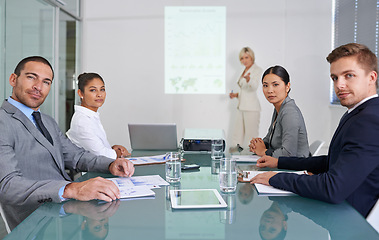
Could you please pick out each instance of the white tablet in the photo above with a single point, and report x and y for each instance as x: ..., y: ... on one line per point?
x: 196, y: 198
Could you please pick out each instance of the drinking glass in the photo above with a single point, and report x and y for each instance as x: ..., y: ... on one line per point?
x: 173, y: 167
x: 228, y: 175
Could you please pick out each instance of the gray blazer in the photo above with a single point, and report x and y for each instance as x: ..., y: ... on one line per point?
x: 31, y: 169
x: 288, y: 136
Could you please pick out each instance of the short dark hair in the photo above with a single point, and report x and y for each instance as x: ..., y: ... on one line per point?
x: 365, y: 57
x: 278, y: 71
x: 84, y: 78
x: 20, y: 66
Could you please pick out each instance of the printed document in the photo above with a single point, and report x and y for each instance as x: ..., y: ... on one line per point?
x: 139, y: 186
x: 265, y: 190
x: 147, y: 160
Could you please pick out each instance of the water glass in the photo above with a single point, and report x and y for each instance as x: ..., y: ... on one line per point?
x: 173, y: 167
x: 217, y: 149
x: 228, y: 175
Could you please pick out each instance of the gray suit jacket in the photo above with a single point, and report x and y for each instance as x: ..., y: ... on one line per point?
x: 31, y: 169
x: 288, y: 137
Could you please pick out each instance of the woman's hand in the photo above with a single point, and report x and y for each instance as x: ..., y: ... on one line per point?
x: 233, y: 95
x: 121, y: 151
x: 258, y: 146
x: 247, y: 77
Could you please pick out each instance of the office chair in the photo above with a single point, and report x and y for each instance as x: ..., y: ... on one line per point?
x: 373, y: 217
x: 315, y: 147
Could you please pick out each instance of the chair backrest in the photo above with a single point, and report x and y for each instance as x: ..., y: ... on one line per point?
x: 373, y: 217
x: 4, y: 219
x: 315, y: 147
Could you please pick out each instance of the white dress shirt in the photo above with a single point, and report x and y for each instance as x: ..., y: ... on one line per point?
x: 86, y: 131
x: 361, y: 102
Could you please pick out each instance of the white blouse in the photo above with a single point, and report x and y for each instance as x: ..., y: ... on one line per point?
x: 86, y: 131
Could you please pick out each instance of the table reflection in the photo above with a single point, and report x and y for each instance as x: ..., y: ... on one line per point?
x: 337, y: 219
x: 245, y: 192
x: 273, y: 223
x: 80, y: 220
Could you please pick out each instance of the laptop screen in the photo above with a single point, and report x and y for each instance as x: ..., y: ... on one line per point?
x: 153, y: 136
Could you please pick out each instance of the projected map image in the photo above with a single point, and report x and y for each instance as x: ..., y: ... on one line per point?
x: 195, y: 50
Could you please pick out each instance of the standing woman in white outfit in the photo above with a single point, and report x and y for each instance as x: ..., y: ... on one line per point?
x: 248, y: 115
x: 86, y: 130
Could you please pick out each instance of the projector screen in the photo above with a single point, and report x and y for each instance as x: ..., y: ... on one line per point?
x: 195, y: 50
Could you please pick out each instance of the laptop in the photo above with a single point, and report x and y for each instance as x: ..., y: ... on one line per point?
x: 153, y: 136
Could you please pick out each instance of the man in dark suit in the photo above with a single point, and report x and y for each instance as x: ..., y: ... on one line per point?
x: 34, y: 152
x: 350, y: 171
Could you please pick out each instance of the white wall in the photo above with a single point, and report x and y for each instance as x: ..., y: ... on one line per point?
x: 123, y: 41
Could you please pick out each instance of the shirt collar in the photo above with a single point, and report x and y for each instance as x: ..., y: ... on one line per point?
x: 23, y: 108
x: 86, y: 111
x: 361, y: 102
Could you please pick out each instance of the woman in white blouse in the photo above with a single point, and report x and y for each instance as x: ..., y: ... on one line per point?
x: 248, y: 115
x: 86, y: 130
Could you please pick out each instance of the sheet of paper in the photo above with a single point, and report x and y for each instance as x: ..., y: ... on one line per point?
x: 136, y: 191
x: 264, y: 189
x: 152, y: 181
x: 139, y: 186
x: 147, y: 160
x: 245, y: 158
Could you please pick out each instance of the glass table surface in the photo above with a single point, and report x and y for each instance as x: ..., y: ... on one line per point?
x: 248, y: 215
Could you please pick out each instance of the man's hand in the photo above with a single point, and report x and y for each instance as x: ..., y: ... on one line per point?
x: 267, y: 161
x: 122, y: 167
x: 92, y: 209
x: 94, y: 188
x: 263, y: 178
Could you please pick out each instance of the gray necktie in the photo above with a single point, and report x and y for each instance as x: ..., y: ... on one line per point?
x: 41, y: 127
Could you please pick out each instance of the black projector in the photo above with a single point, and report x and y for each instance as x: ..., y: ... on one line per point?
x: 200, y: 140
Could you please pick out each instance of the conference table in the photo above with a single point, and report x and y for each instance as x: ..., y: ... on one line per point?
x: 248, y: 215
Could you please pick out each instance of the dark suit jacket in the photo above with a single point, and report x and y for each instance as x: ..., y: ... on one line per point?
x: 349, y: 172
x: 31, y: 169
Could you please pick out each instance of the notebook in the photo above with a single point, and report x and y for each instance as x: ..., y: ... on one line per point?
x: 153, y: 136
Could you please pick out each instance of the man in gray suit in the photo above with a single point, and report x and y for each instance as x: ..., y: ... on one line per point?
x: 33, y: 158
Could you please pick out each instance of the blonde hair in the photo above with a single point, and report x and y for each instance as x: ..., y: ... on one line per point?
x: 248, y: 51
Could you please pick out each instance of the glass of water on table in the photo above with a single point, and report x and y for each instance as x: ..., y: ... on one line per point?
x: 228, y: 175
x: 173, y: 167
x: 217, y: 149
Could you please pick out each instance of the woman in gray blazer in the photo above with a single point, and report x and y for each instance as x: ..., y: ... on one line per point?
x: 287, y: 134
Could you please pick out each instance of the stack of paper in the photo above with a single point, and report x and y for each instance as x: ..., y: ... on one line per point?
x: 139, y: 186
x: 265, y: 190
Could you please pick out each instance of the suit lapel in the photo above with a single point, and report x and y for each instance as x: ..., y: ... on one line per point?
x: 346, y: 118
x: 31, y: 128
